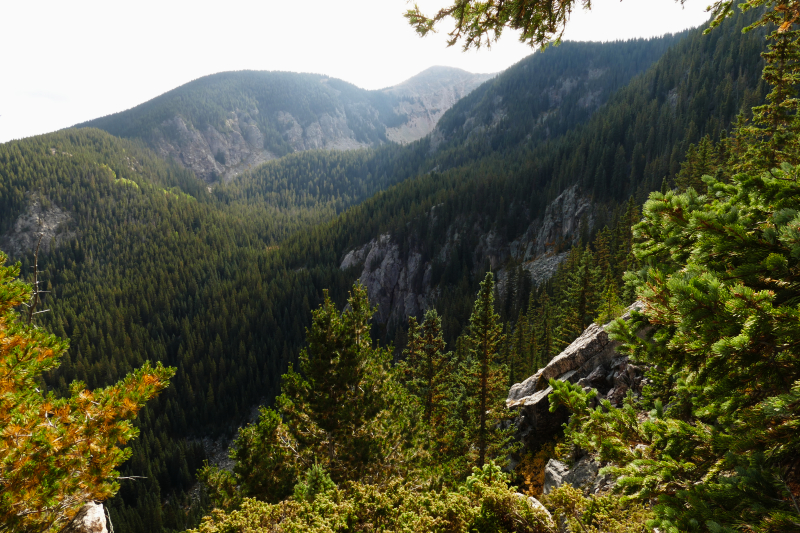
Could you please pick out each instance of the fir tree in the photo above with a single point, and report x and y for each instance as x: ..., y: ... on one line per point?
x: 333, y: 406
x: 486, y: 377
x: 721, y: 286
x: 427, y: 366
x: 772, y: 137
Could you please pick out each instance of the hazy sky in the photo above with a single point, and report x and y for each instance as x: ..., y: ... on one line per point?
x: 69, y: 61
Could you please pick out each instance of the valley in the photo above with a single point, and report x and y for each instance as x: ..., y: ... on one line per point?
x: 233, y: 226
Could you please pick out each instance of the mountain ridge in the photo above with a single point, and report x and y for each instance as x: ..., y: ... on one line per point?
x: 223, y: 124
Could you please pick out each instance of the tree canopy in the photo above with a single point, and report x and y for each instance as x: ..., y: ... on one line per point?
x: 57, y: 453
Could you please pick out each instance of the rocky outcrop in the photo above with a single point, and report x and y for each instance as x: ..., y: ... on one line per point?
x: 591, y: 361
x: 584, y: 475
x: 213, y: 154
x: 423, y: 99
x: 90, y: 519
x: 558, y: 228
x: 221, y: 125
x: 537, y: 506
x: 328, y: 132
x: 51, y: 222
x: 399, y: 287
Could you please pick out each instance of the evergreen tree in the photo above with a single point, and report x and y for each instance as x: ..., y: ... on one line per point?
x: 486, y: 378
x: 772, y: 137
x: 720, y: 447
x: 57, y: 453
x: 427, y: 367
x: 334, y: 404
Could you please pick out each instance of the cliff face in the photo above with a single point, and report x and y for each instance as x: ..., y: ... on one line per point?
x: 51, y: 222
x: 424, y: 98
x: 403, y: 285
x: 212, y: 154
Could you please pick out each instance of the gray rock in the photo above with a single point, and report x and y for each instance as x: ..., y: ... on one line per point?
x: 590, y: 361
x: 554, y: 472
x: 424, y: 98
x: 90, y: 519
x: 399, y: 287
x: 536, y: 504
x: 591, y: 343
x: 51, y: 222
x: 213, y: 154
x: 582, y: 474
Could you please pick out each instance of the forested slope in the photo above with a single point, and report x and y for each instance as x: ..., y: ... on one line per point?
x: 627, y: 148
x: 223, y: 124
x: 564, y: 86
x: 151, y: 268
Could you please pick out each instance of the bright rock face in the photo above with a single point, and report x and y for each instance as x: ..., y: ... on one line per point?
x: 590, y: 361
x: 90, y: 519
x: 402, y: 286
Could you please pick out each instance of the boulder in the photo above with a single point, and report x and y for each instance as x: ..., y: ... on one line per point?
x: 90, y: 519
x: 582, y: 475
x: 590, y: 361
x: 536, y: 505
x: 554, y: 472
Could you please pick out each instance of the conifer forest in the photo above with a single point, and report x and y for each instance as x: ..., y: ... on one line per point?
x: 573, y: 305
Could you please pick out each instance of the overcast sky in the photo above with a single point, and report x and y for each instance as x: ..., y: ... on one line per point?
x: 65, y: 62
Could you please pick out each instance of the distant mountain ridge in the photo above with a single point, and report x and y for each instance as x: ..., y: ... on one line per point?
x: 221, y: 125
x: 424, y: 98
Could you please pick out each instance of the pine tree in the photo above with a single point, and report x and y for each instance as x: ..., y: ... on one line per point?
x: 721, y: 288
x: 57, y: 453
x: 772, y: 137
x: 486, y: 377
x: 333, y: 405
x: 427, y: 367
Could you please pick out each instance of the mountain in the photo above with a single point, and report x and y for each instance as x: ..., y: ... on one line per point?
x: 511, y: 198
x: 220, y: 125
x: 146, y: 263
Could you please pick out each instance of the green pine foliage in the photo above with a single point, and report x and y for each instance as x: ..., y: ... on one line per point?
x: 427, y: 366
x: 719, y: 449
x: 57, y: 452
x: 482, y: 504
x: 336, y: 404
x: 485, y: 376
x: 221, y: 284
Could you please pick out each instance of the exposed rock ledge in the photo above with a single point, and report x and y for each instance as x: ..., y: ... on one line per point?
x: 90, y: 519
x: 591, y: 361
x: 23, y: 236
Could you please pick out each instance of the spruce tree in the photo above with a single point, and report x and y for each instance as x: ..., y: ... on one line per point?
x: 772, y: 137
x: 427, y: 367
x: 486, y: 378
x: 719, y: 450
x: 334, y: 404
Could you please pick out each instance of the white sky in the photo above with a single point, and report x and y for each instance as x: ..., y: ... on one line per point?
x: 65, y: 62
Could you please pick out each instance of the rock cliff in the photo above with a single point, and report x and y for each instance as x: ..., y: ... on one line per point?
x: 90, y: 519
x: 403, y: 285
x: 50, y: 221
x: 424, y: 98
x: 212, y: 154
x: 590, y: 361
